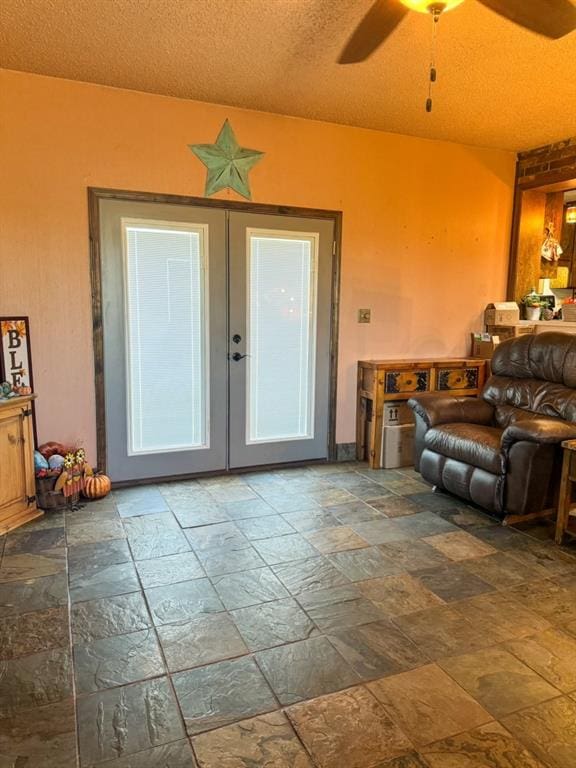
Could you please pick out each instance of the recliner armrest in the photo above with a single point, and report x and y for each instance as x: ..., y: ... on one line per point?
x: 436, y: 410
x: 538, y: 431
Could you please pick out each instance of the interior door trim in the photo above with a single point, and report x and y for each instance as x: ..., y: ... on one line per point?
x: 96, y: 194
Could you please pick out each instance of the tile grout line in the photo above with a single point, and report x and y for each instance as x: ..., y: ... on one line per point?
x: 72, y: 652
x: 252, y: 655
x: 163, y: 675
x: 167, y: 673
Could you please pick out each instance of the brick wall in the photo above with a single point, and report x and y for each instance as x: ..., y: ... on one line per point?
x: 543, y: 163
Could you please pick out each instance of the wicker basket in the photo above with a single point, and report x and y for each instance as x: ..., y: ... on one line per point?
x: 569, y: 313
x: 50, y: 500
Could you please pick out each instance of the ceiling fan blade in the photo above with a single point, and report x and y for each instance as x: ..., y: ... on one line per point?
x: 379, y: 22
x: 551, y: 18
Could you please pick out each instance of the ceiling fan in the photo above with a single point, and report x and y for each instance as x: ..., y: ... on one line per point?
x: 551, y: 18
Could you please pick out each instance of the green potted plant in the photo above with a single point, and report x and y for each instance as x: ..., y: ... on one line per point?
x: 532, y: 305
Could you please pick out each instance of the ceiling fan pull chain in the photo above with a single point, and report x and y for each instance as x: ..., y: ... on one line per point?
x: 432, y: 79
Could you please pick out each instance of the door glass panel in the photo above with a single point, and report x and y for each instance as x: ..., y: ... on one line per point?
x: 282, y: 298
x: 166, y: 336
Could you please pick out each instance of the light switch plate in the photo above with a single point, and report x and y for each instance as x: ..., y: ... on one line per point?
x: 363, y: 315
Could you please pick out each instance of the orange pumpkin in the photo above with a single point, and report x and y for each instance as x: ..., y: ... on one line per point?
x: 96, y: 486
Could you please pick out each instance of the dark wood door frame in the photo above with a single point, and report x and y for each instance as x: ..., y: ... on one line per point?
x: 94, y: 197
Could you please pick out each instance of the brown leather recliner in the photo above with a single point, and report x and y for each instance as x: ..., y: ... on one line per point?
x: 502, y: 450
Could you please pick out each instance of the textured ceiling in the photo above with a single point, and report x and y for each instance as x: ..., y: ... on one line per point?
x: 498, y: 85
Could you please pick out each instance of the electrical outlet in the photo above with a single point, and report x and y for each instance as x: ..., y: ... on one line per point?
x: 363, y: 315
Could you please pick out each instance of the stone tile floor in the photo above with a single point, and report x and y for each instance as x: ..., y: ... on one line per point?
x: 326, y: 616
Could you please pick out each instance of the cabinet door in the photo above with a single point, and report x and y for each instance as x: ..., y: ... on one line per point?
x: 13, y: 462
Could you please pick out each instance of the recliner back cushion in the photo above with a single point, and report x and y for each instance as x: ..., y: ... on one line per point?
x: 516, y: 399
x: 547, y: 356
x: 534, y: 376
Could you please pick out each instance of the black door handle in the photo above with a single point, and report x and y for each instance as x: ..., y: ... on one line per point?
x: 237, y: 356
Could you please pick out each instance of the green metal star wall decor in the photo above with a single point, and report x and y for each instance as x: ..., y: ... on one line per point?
x: 227, y: 162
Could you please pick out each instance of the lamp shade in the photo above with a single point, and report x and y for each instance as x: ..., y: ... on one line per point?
x: 571, y: 214
x: 424, y: 6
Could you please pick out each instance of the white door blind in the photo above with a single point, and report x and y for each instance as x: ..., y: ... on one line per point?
x: 166, y: 330
x: 282, y: 280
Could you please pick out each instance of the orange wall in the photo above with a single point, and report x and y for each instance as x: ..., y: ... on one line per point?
x: 426, y: 223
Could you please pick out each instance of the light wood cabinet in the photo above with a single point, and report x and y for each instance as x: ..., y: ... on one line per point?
x: 381, y: 381
x: 17, y: 484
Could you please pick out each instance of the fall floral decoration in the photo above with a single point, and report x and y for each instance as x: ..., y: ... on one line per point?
x: 63, y: 474
x: 8, y: 390
x: 18, y: 325
x: 67, y: 465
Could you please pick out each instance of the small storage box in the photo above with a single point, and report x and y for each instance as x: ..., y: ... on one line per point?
x: 396, y: 413
x: 484, y: 348
x: 511, y: 331
x: 569, y: 313
x: 398, y: 446
x: 502, y: 313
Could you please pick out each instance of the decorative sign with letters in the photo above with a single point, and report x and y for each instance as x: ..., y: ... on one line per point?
x: 15, y: 359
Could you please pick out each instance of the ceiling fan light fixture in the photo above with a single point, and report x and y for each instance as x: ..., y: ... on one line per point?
x: 429, y: 6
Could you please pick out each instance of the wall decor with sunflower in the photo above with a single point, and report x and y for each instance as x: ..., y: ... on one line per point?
x: 15, y: 356
x: 16, y: 361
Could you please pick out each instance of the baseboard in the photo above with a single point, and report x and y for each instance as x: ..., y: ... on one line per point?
x: 346, y: 452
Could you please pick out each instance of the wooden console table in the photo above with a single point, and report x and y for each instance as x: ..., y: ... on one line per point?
x: 565, y: 522
x: 385, y: 380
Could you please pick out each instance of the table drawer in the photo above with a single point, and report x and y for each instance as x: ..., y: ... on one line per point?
x: 457, y: 378
x: 398, y: 382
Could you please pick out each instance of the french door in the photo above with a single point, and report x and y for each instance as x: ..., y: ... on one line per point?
x: 216, y: 330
